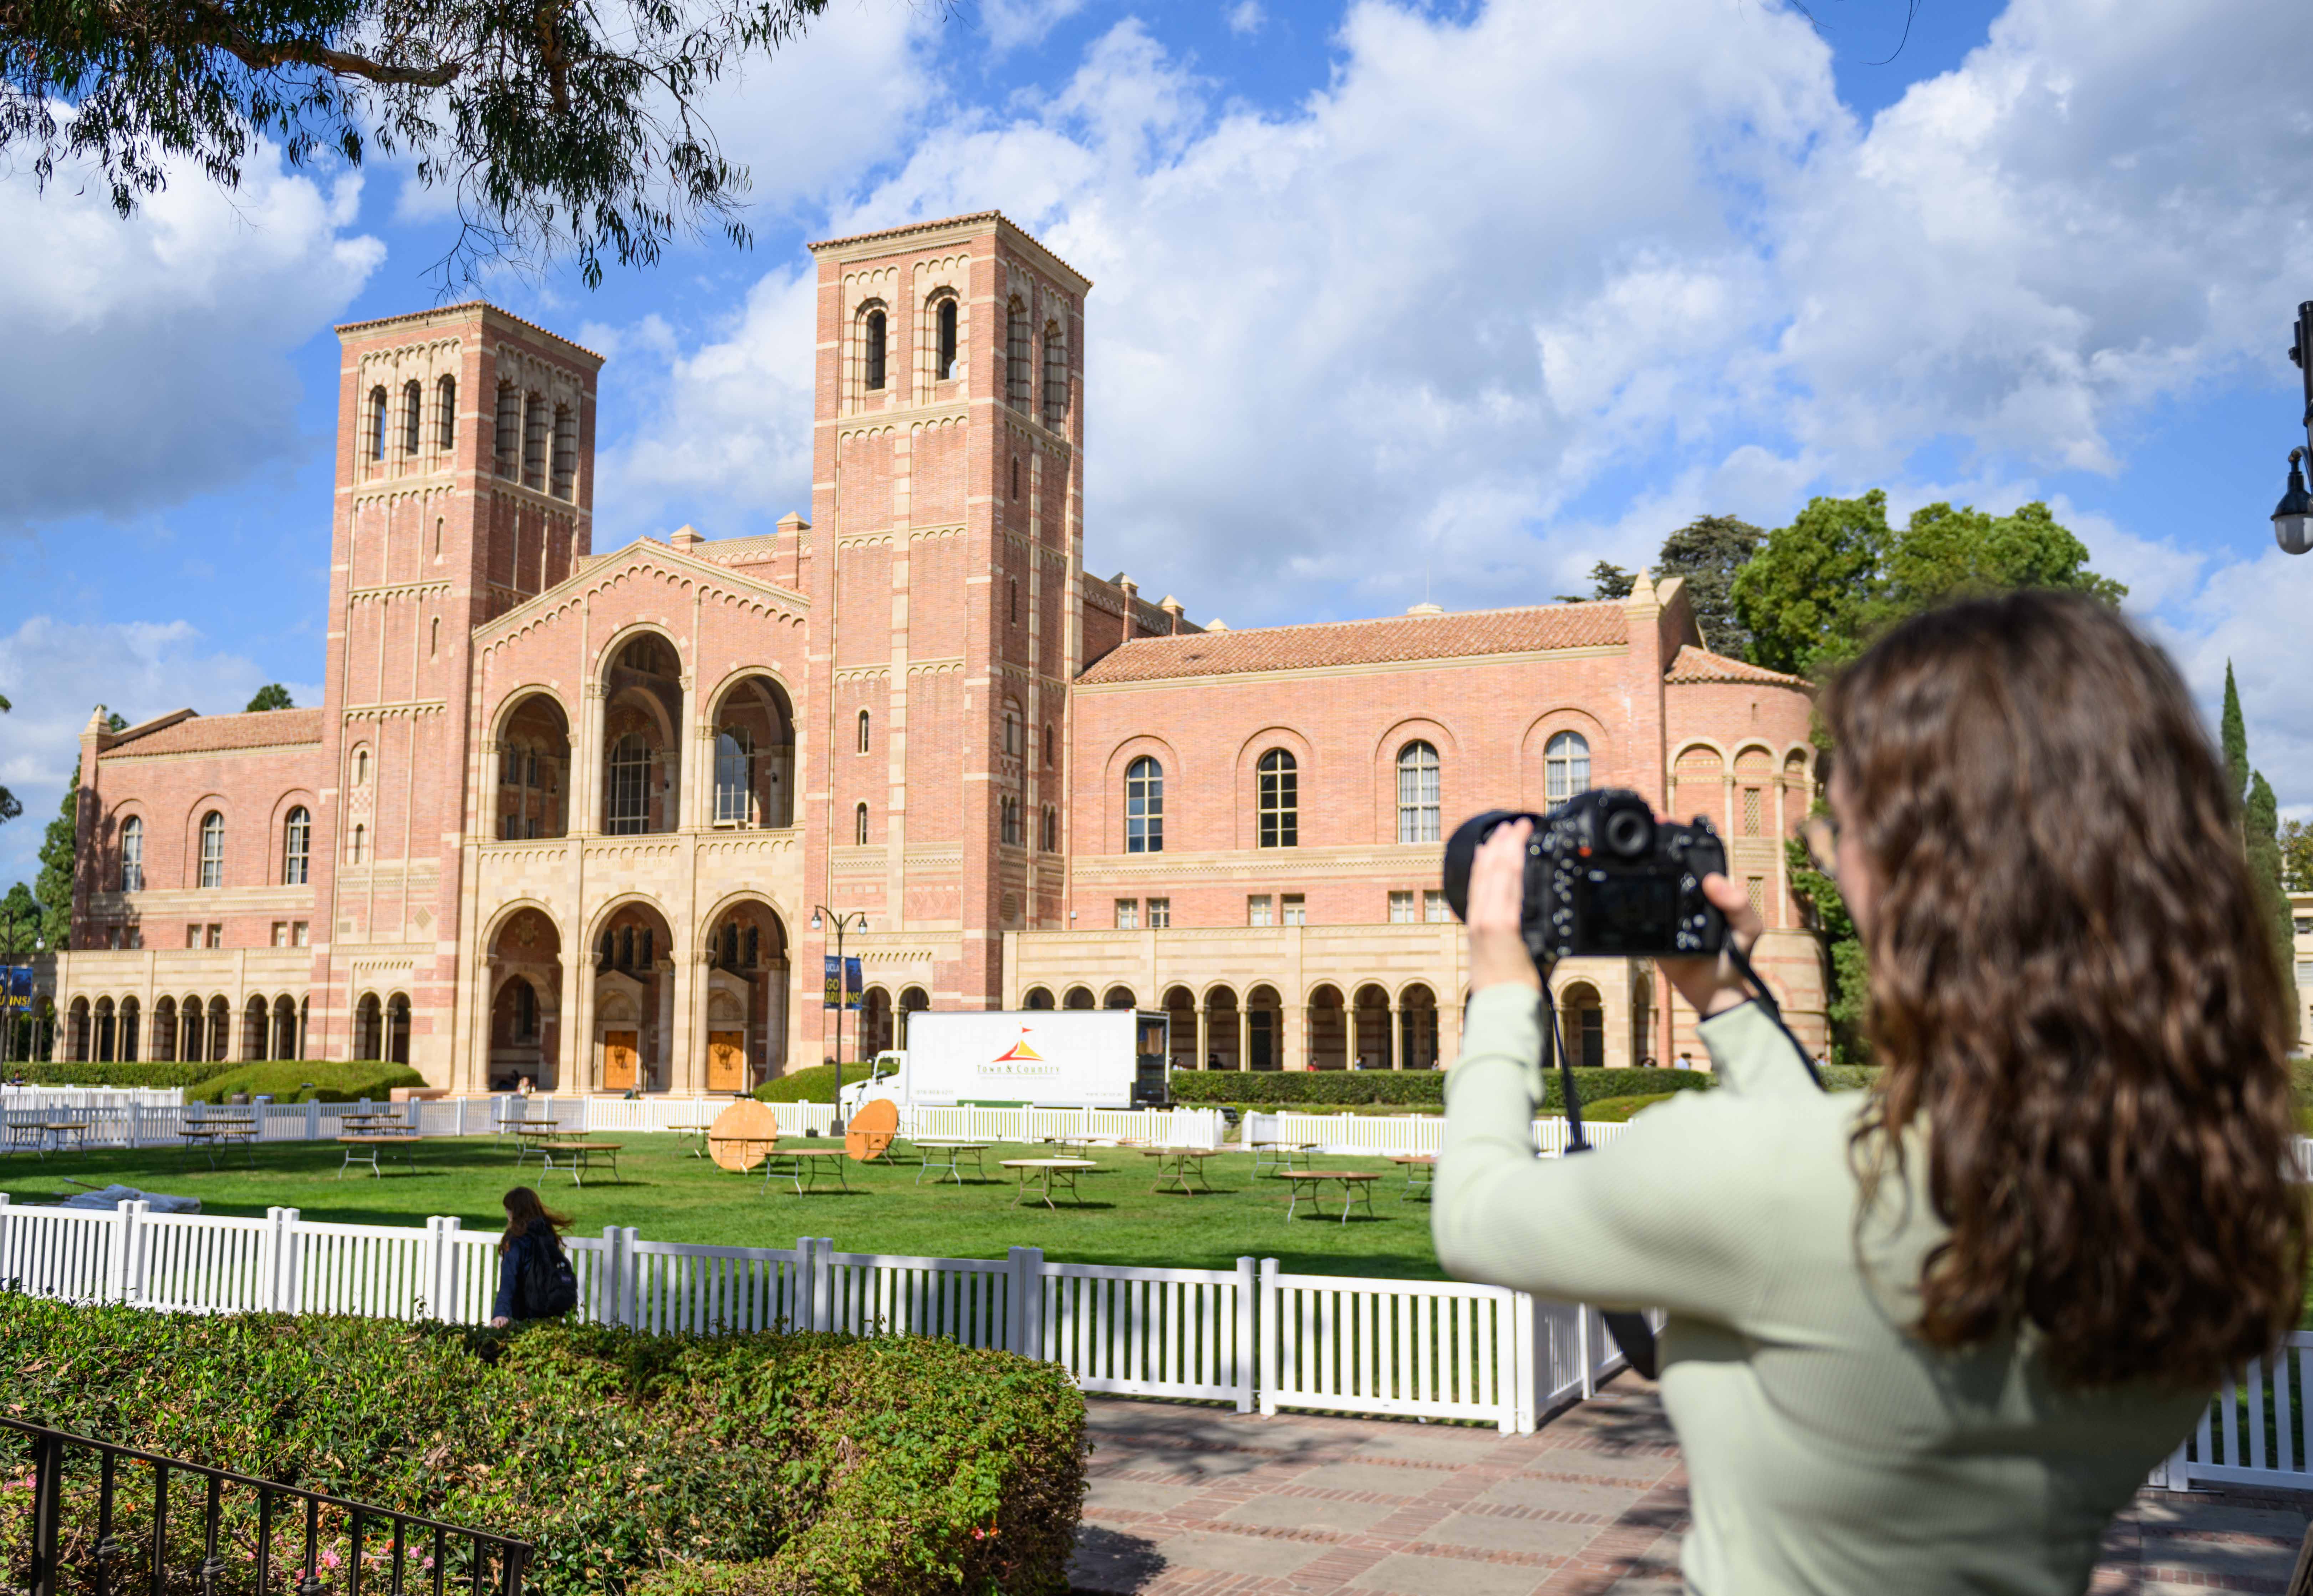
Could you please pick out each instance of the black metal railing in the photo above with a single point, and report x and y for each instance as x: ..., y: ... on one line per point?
x: 129, y: 1554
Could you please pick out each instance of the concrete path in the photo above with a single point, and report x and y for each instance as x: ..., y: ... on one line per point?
x: 1199, y: 1502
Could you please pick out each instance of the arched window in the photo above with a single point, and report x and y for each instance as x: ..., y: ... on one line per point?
x: 360, y: 850
x: 565, y: 452
x: 1008, y: 813
x: 438, y: 537
x: 509, y: 431
x: 132, y: 854
x: 1056, y: 376
x: 946, y: 316
x: 859, y: 826
x: 1012, y: 730
x: 213, y: 849
x: 1417, y: 793
x: 434, y: 646
x: 1017, y: 377
x: 296, y: 847
x: 1566, y: 766
x: 1279, y: 778
x: 734, y: 778
x: 360, y: 767
x: 1015, y: 476
x: 1144, y: 807
x: 445, y: 413
x: 534, y: 423
x: 377, y: 423
x: 1014, y: 599
x: 1048, y: 745
x: 871, y: 352
x: 413, y: 416
x: 863, y: 731
x: 629, y: 791
x: 1051, y: 830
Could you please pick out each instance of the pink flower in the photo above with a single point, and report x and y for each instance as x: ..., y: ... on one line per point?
x: 328, y: 1559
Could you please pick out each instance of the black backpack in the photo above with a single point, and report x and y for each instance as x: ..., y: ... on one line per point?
x: 548, y: 1287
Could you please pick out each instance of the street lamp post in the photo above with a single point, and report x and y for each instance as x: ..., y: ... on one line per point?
x: 843, y: 923
x: 2293, y: 518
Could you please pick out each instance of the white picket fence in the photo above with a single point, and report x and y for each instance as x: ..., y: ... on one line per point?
x: 1388, y: 1135
x: 1252, y: 1336
x: 51, y: 1098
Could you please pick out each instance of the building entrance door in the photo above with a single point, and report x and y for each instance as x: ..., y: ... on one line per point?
x: 619, y: 1060
x: 726, y: 1061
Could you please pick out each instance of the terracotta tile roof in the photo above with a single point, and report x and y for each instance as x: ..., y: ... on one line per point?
x: 343, y: 327
x: 905, y: 228
x: 1700, y: 664
x: 1408, y: 637
x: 224, y: 734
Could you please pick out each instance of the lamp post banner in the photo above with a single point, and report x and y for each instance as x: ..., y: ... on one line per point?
x: 16, y: 987
x: 835, y: 995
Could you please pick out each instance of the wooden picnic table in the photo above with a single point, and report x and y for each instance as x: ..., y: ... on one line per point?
x: 955, y: 1151
x: 1354, y: 1182
x: 802, y: 1166
x: 517, y: 1129
x: 698, y: 1134
x: 363, y: 1146
x: 578, y: 1156
x: 38, y: 1136
x: 1176, y: 1166
x: 541, y: 1139
x: 1420, y: 1169
x: 1049, y: 1173
x: 208, y: 1135
x: 378, y: 1124
x: 1279, y: 1154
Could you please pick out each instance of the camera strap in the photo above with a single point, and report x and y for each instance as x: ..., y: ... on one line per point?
x: 1631, y: 1330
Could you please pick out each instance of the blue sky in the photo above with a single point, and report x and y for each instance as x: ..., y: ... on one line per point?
x: 1485, y: 290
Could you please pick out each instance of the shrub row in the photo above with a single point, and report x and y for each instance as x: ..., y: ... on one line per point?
x: 778, y: 1464
x: 815, y: 1083
x: 298, y: 1080
x: 1414, y: 1089
x: 158, y: 1076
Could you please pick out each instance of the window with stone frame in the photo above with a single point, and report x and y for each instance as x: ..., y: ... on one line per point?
x: 1293, y: 909
x: 296, y: 847
x: 535, y: 423
x: 734, y: 777
x: 863, y: 731
x: 359, y: 851
x: 1417, y: 793
x: 1401, y: 909
x: 507, y: 444
x: 377, y: 423
x: 1753, y: 812
x: 214, y: 936
x: 132, y: 854
x: 859, y: 826
x: 1160, y: 913
x: 1144, y: 807
x: 1056, y: 377
x: 1128, y: 914
x: 301, y: 933
x: 212, y: 859
x: 565, y: 484
x: 944, y: 317
x: 1566, y: 766
x: 1277, y: 799
x: 413, y: 417
x: 445, y: 413
x: 1257, y: 908
x: 1434, y: 910
x: 1017, y: 377
x: 627, y: 812
x: 1051, y: 830
x: 874, y: 338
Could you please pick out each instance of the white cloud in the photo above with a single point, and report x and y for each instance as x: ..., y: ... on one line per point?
x: 55, y: 673
x: 1244, y: 18
x: 148, y: 359
x: 1012, y: 23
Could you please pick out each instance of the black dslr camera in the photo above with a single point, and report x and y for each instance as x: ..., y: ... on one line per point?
x: 1604, y: 878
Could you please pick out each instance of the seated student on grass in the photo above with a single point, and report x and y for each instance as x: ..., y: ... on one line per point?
x: 535, y: 1280
x: 1932, y: 1336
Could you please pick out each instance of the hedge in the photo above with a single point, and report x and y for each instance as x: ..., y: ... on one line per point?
x: 159, y: 1076
x: 1417, y: 1089
x: 815, y: 1083
x: 297, y: 1080
x: 782, y: 1464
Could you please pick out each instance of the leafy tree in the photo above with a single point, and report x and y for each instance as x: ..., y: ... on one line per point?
x: 53, y: 888
x: 557, y: 126
x: 1606, y: 581
x: 1707, y: 552
x: 271, y: 696
x: 19, y: 926
x: 2296, y: 841
x: 10, y: 807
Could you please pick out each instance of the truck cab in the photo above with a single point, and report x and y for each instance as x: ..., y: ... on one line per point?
x: 886, y: 1080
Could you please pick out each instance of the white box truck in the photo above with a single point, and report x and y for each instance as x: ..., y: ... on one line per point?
x: 1088, y: 1058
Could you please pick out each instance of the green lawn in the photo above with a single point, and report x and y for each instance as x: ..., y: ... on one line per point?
x: 668, y: 1196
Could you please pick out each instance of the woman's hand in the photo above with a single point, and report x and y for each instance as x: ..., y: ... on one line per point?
x: 500, y: 1322
x: 1498, y: 955
x: 1711, y: 984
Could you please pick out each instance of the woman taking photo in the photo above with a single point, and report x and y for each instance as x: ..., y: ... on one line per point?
x: 1932, y: 1335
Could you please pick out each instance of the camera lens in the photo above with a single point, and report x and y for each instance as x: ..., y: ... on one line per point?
x: 1629, y: 833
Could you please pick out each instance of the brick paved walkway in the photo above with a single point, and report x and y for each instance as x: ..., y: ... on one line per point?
x: 1199, y: 1502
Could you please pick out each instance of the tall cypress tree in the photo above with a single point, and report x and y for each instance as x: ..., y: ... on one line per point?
x: 2234, y: 732
x: 54, y: 886
x: 2261, y: 840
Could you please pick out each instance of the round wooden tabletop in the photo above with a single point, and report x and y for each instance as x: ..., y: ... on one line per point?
x: 743, y: 1135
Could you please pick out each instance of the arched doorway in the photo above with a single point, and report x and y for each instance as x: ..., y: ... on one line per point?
x: 1039, y: 997
x: 1369, y: 1037
x: 634, y: 999
x: 165, y: 1031
x: 369, y: 1027
x: 1417, y: 1028
x: 397, y: 1029
x: 106, y: 1034
x: 915, y: 1000
x: 642, y: 764
x: 285, y: 1029
x: 1181, y: 1009
x: 754, y: 756
x: 746, y: 1040
x: 1329, y: 1031
x: 1264, y: 1029
x: 875, y: 1021
x: 256, y: 1028
x: 77, y: 1030
x: 220, y: 1030
x: 1642, y: 1023
x: 193, y: 1027
x: 524, y: 968
x: 131, y: 1014
x: 1119, y: 997
x: 1221, y: 1049
x: 1582, y: 1021
x: 534, y: 795
x: 1078, y: 997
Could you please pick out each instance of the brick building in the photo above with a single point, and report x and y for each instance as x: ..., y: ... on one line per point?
x: 569, y: 815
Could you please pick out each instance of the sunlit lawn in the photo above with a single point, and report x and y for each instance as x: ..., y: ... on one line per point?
x: 668, y: 1196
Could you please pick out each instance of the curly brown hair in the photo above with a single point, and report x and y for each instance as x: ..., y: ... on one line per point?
x: 2072, y: 984
x: 523, y: 1209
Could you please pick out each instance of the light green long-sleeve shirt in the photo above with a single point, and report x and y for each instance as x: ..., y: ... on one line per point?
x: 1826, y: 1449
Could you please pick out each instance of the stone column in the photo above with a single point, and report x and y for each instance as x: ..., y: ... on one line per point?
x: 1293, y: 1022
x: 1244, y: 1035
x: 1396, y: 1038
x: 686, y: 1060
x: 1204, y: 1021
x: 572, y: 1060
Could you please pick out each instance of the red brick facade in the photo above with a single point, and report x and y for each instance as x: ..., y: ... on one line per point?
x: 570, y: 816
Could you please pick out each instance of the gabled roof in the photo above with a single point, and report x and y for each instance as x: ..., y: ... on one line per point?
x: 1700, y: 664
x: 595, y: 565
x: 1535, y: 629
x: 221, y: 733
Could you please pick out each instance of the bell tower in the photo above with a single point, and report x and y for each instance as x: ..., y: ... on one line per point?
x: 465, y: 482
x: 946, y: 584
